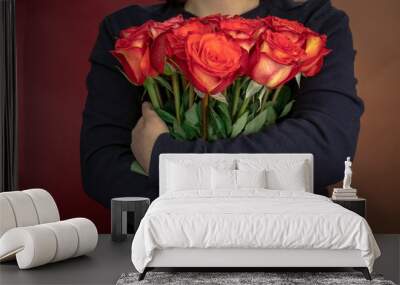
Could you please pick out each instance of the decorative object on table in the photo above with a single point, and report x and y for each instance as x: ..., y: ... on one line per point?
x: 31, y: 231
x: 249, y: 278
x: 346, y: 192
x: 217, y: 77
x: 119, y: 215
x: 358, y: 205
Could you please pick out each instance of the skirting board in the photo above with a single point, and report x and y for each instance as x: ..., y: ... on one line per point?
x: 232, y: 257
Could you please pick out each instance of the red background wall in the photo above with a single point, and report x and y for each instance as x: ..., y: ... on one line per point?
x: 54, y: 41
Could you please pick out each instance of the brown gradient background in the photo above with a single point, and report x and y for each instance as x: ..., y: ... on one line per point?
x: 376, y: 33
x: 55, y: 38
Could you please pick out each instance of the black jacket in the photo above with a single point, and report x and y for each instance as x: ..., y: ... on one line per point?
x: 325, y: 120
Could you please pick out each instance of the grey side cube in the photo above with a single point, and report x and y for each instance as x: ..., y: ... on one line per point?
x: 119, y: 218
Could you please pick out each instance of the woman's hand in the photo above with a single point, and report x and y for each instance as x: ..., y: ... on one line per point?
x: 145, y: 134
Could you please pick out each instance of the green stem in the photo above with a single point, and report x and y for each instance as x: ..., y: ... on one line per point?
x: 152, y: 93
x: 191, y: 96
x: 177, y: 97
x: 184, y: 83
x: 264, y: 99
x: 236, y: 95
x: 204, y: 115
x: 157, y: 90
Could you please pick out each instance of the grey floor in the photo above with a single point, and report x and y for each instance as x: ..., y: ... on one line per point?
x: 110, y: 260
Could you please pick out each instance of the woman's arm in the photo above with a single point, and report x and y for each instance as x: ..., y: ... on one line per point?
x: 111, y: 111
x: 325, y: 120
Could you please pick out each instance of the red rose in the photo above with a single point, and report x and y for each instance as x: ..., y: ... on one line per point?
x: 133, y: 52
x: 244, y: 31
x: 172, y: 43
x: 213, y: 61
x: 157, y: 28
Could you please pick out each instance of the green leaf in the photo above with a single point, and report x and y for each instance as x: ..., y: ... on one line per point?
x: 169, y: 69
x: 178, y: 131
x: 271, y: 115
x: 239, y: 125
x: 218, y: 124
x: 287, y: 109
x: 164, y: 83
x: 284, y: 96
x: 252, y: 88
x: 225, y: 116
x: 211, y: 133
x: 298, y: 78
x: 191, y: 132
x: 220, y: 97
x: 165, y: 116
x: 257, y: 123
x: 137, y: 168
x: 245, y: 81
x: 198, y: 93
x: 260, y: 97
x: 192, y: 116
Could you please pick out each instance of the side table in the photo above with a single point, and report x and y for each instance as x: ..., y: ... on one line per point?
x: 358, y: 206
x: 119, y: 209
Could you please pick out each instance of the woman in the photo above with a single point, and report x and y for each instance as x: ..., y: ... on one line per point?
x: 325, y: 120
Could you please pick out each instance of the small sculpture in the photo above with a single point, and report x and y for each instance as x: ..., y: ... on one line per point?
x: 347, y: 174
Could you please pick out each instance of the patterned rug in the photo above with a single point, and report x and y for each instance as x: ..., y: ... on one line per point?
x: 244, y: 278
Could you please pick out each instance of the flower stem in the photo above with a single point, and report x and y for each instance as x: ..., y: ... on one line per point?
x: 191, y: 96
x: 177, y: 97
x: 157, y: 90
x: 204, y: 115
x: 149, y: 86
x: 264, y: 99
x: 235, y: 98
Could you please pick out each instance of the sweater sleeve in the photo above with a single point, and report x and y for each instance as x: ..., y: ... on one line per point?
x: 112, y: 109
x: 325, y: 120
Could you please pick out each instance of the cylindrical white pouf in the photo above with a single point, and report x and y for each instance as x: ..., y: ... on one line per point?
x: 67, y: 239
x: 23, y: 208
x: 34, y: 245
x: 87, y: 234
x: 7, y: 218
x: 45, y: 205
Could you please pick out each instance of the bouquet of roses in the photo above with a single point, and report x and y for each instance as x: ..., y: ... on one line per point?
x: 219, y: 76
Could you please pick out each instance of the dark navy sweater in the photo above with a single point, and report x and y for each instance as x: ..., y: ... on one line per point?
x: 325, y: 120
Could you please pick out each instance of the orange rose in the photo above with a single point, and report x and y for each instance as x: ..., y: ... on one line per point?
x: 313, y: 44
x: 274, y: 60
x: 315, y: 51
x: 212, y: 61
x: 244, y: 31
x: 133, y: 52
